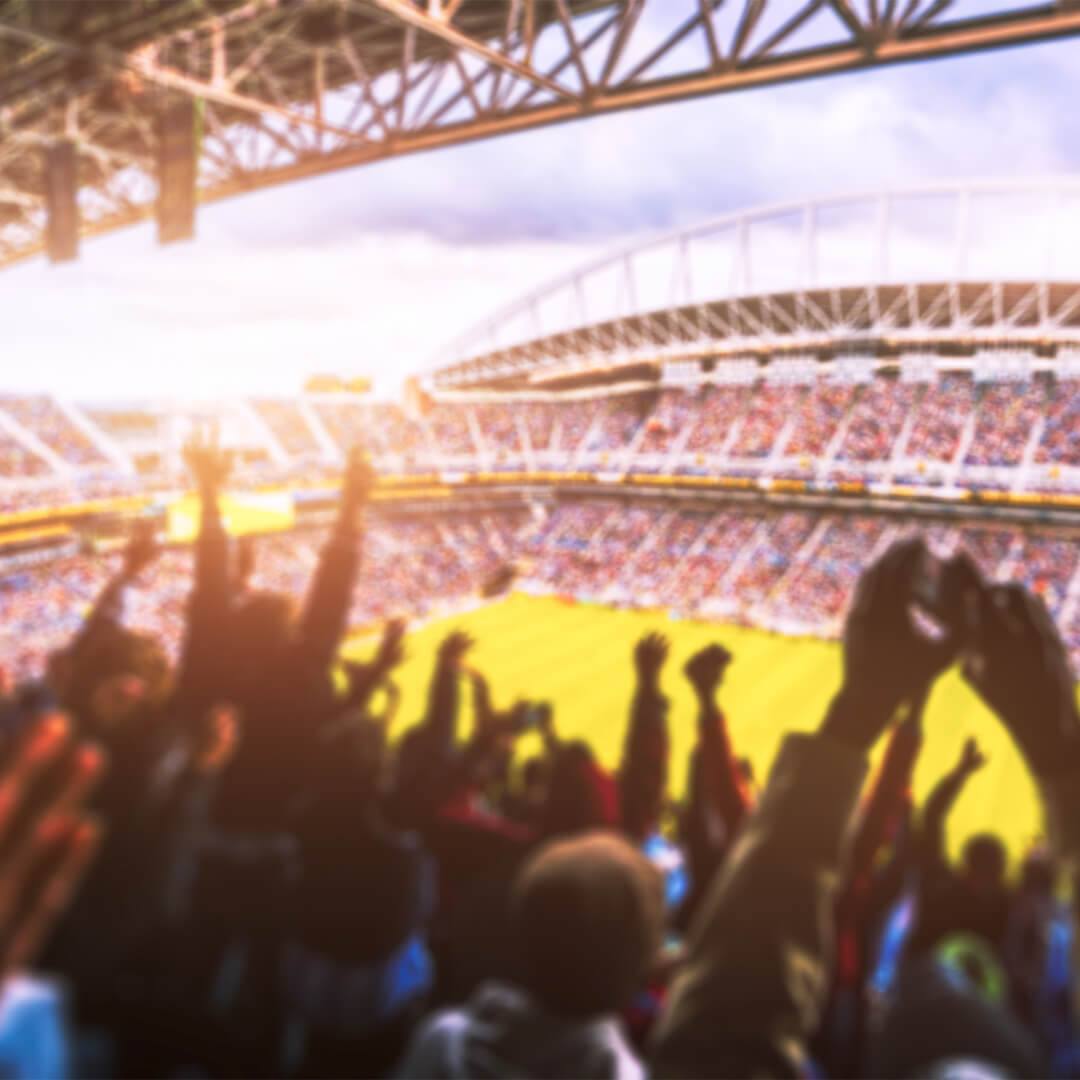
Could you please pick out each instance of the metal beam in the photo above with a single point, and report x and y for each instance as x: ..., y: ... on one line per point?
x: 152, y: 72
x: 901, y: 34
x: 404, y: 12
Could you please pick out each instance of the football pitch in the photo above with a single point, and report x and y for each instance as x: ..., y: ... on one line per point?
x: 579, y: 657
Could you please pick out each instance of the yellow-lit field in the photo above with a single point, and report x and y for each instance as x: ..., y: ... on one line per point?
x: 579, y: 658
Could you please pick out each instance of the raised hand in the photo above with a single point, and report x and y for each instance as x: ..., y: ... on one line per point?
x: 359, y: 480
x: 209, y: 464
x: 888, y: 660
x: 453, y: 649
x: 245, y: 562
x: 972, y: 759
x: 650, y: 654
x: 1019, y: 666
x: 142, y: 549
x: 392, y: 646
x: 47, y: 839
x: 705, y: 669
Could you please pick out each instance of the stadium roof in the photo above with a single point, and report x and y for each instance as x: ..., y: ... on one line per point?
x: 993, y: 261
x: 294, y: 88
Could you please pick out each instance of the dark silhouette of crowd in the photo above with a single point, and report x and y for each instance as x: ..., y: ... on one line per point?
x: 222, y: 867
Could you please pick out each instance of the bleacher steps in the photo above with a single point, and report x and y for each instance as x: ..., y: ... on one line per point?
x: 26, y: 438
x: 526, y: 442
x: 329, y: 449
x: 271, y: 442
x: 482, y: 449
x: 745, y: 554
x: 800, y: 559
x: 106, y: 445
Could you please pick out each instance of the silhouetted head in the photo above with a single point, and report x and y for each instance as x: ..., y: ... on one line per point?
x: 1037, y: 871
x: 260, y: 628
x: 114, y: 675
x: 581, y: 795
x: 586, y: 921
x: 984, y: 862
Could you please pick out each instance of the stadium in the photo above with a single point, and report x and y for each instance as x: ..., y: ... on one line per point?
x: 710, y: 433
x: 702, y: 427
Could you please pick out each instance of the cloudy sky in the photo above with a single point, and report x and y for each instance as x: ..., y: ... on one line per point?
x: 372, y: 270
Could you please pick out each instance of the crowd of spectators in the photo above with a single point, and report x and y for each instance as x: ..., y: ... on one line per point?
x: 818, y: 415
x: 655, y: 567
x: 499, y: 427
x: 719, y: 407
x: 747, y: 421
x: 575, y: 418
x: 772, y: 558
x: 674, y: 410
x: 287, y: 424
x: 769, y: 410
x: 820, y: 592
x: 449, y: 425
x: 17, y: 461
x: 1007, y: 415
x: 700, y: 576
x: 619, y: 422
x: 877, y: 420
x: 1060, y: 441
x: 42, y: 606
x: 539, y: 423
x: 41, y: 416
x: 942, y: 413
x: 217, y: 851
x: 351, y: 423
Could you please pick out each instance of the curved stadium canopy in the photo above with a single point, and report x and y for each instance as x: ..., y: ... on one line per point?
x: 993, y: 262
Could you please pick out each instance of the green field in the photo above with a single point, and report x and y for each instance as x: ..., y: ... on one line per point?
x: 579, y: 658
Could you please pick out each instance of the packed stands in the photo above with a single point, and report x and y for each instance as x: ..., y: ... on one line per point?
x: 499, y: 427
x: 17, y: 460
x: 44, y: 418
x: 539, y: 419
x: 818, y: 416
x: 770, y: 408
x: 575, y: 419
x: 877, y: 420
x: 288, y: 426
x: 1006, y: 417
x: 618, y: 423
x: 449, y: 425
x: 1060, y: 441
x: 674, y: 410
x: 772, y: 558
x: 940, y: 419
x: 349, y: 423
x: 718, y: 411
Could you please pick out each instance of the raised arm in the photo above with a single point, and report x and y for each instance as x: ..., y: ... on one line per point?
x: 324, y: 622
x: 643, y: 771
x: 754, y: 985
x: 889, y: 793
x: 440, y: 721
x: 721, y: 781
x: 931, y: 836
x: 142, y: 549
x: 205, y: 642
x: 365, y: 679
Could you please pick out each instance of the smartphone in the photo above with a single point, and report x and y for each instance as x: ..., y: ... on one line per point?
x: 536, y: 716
x: 928, y: 608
